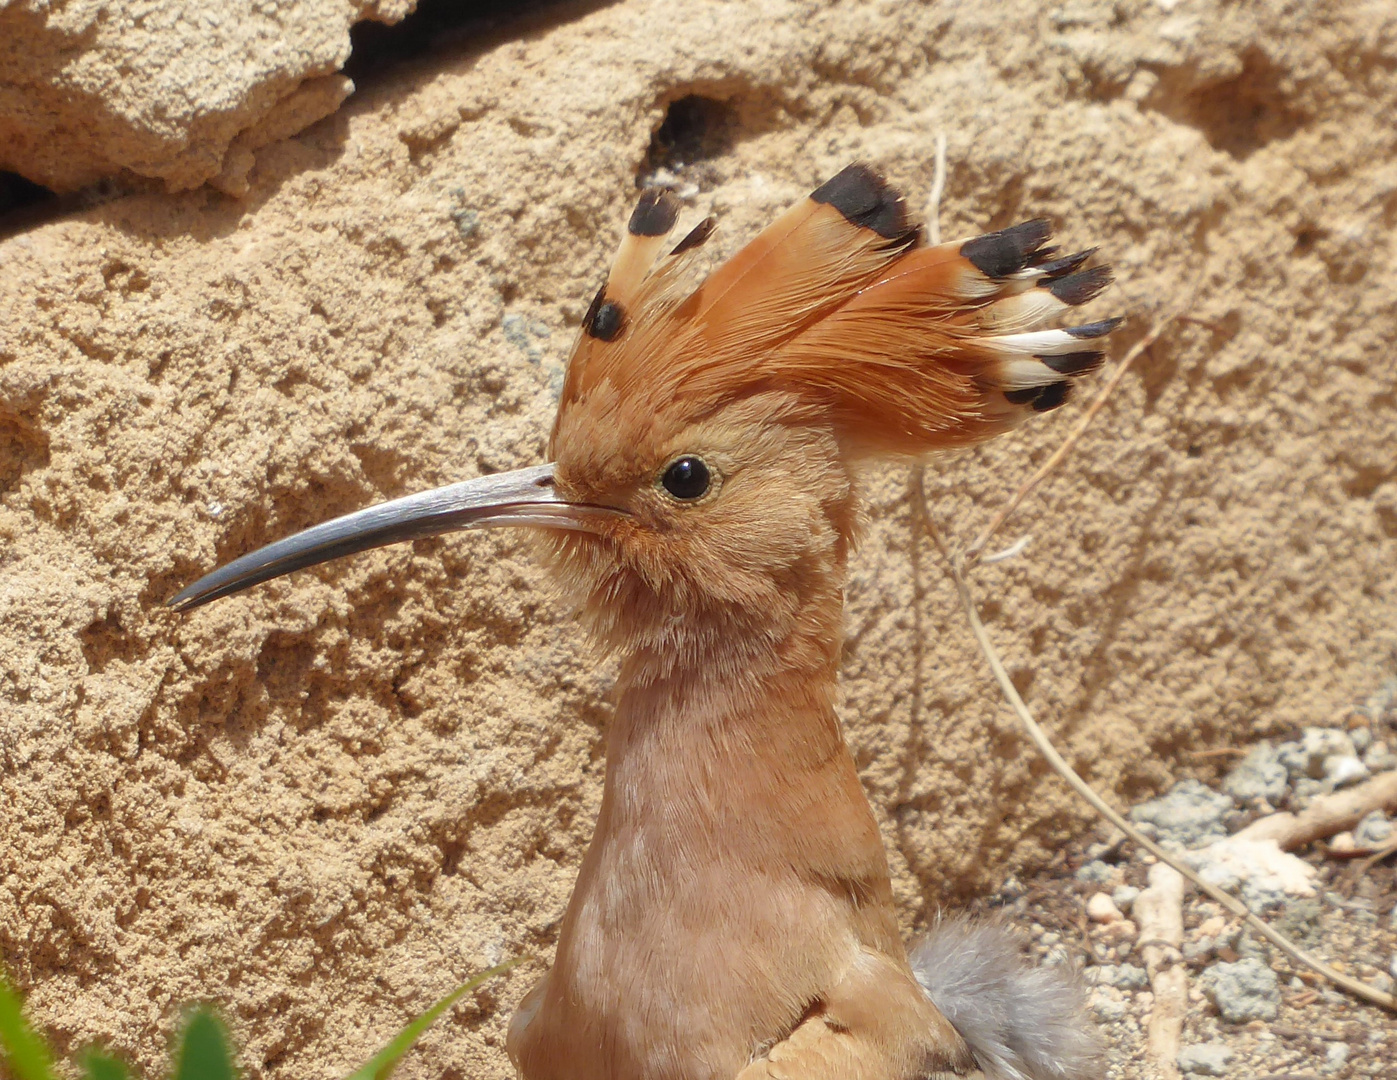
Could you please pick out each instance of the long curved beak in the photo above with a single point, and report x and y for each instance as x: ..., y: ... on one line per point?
x: 521, y: 497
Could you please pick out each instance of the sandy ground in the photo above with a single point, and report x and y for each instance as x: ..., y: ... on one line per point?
x: 325, y: 803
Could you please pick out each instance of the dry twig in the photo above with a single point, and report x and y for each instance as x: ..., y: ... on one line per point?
x: 1327, y: 814
x: 1159, y: 910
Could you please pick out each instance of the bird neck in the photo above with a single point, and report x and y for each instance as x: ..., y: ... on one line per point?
x: 735, y: 755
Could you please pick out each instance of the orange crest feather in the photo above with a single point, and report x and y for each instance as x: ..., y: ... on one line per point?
x: 908, y: 348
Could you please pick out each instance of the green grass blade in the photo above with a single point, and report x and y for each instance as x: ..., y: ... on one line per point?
x: 382, y: 1064
x: 203, y: 1052
x: 20, y: 1047
x: 99, y: 1065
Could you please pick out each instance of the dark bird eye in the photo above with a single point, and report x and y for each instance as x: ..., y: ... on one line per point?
x: 686, y: 478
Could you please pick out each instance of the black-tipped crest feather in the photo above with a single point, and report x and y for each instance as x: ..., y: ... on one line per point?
x: 1097, y: 329
x: 865, y: 199
x: 999, y: 254
x: 655, y: 213
x: 696, y: 236
x: 1078, y: 288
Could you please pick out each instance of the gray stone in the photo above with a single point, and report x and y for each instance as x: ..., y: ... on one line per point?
x: 1108, y: 1004
x: 1335, y: 1057
x: 1124, y: 897
x: 1121, y: 976
x: 1307, y: 757
x: 1205, y: 1059
x: 1096, y: 872
x: 1260, y: 775
x: 1384, y: 761
x: 1244, y: 991
x: 1304, y: 790
x: 1344, y: 769
x: 1190, y: 815
x: 1362, y: 737
x: 1379, y: 757
x: 1373, y: 830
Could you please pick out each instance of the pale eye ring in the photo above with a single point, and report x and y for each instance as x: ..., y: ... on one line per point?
x: 687, y: 478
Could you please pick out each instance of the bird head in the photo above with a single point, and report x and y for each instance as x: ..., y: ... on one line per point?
x: 708, y: 435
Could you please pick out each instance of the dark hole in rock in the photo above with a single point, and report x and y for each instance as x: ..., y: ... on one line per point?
x: 1245, y: 113
x: 695, y: 129
x: 18, y: 198
x: 433, y: 25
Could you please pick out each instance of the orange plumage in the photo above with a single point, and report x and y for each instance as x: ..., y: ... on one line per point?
x: 733, y: 917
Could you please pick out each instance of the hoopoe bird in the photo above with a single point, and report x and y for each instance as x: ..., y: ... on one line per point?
x: 733, y: 917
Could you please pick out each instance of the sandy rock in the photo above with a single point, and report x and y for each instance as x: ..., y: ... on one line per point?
x: 325, y: 803
x: 174, y: 90
x: 1246, y: 990
x: 1191, y: 815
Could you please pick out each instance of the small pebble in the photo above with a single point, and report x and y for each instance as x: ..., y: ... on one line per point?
x: 1108, y: 1004
x: 1373, y: 830
x: 1343, y: 842
x: 1102, y: 909
x: 1121, y: 976
x: 1125, y: 896
x: 1095, y: 872
x: 1205, y: 1059
x: 1118, y: 933
x: 1246, y: 990
x: 1012, y: 889
x: 1307, y: 757
x: 1335, y: 1057
x: 1259, y: 777
x: 1344, y: 769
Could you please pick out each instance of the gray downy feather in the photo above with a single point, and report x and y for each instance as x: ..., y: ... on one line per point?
x: 1021, y: 1022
